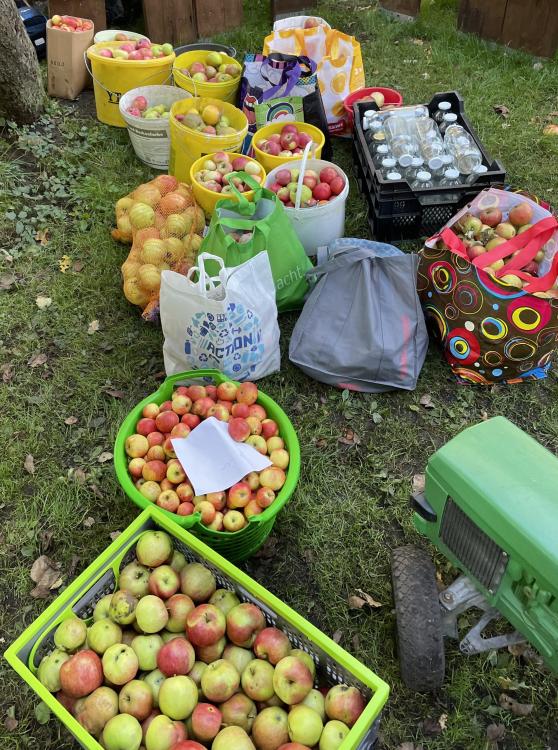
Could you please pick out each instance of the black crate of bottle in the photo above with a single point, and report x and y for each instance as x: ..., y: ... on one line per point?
x: 397, y: 212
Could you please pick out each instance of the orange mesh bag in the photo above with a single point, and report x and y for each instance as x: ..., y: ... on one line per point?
x: 164, y: 224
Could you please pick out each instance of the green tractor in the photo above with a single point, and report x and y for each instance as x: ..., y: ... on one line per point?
x: 490, y: 505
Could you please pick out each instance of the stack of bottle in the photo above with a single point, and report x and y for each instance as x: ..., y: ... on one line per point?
x: 408, y: 144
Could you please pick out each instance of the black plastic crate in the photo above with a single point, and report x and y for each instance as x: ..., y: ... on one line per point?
x: 427, y: 210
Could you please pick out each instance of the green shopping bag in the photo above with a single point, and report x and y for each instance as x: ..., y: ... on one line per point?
x: 272, y: 233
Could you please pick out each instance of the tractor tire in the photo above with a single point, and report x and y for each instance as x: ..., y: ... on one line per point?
x: 420, y: 639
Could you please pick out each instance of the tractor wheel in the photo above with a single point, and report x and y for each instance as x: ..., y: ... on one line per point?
x: 419, y: 622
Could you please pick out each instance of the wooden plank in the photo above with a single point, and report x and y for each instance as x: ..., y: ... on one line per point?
x: 531, y: 25
x: 170, y: 21
x: 92, y: 9
x: 409, y: 8
x: 286, y: 8
x: 214, y: 16
x: 482, y: 18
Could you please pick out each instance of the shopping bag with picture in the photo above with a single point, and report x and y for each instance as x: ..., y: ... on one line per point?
x: 494, y: 306
x: 226, y: 321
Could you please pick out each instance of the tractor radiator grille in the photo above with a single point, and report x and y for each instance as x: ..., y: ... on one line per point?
x: 482, y: 557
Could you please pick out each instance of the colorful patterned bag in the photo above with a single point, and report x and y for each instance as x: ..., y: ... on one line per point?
x: 492, y: 331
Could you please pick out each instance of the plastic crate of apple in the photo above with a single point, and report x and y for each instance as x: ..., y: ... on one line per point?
x: 289, y: 142
x: 213, y: 70
x: 492, y: 228
x: 171, y: 662
x: 316, y: 190
x: 160, y: 477
x: 142, y: 49
x: 212, y: 174
x: 71, y: 23
x: 210, y: 120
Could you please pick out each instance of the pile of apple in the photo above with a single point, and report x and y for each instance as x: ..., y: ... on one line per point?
x: 170, y: 662
x: 214, y: 70
x: 140, y: 108
x: 490, y: 229
x: 316, y: 190
x: 143, y: 49
x: 210, y: 120
x: 289, y: 142
x: 160, y: 477
x: 71, y: 23
x: 215, y: 167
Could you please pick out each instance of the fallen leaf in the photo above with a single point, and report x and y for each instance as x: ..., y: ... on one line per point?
x: 517, y: 649
x: 46, y: 539
x: 517, y: 709
x: 501, y: 110
x: 114, y: 392
x: 114, y: 535
x: 104, y: 457
x: 484, y: 416
x: 42, y: 713
x: 336, y: 637
x: 495, y: 732
x: 42, y: 237
x: 551, y: 129
x: 78, y: 266
x: 37, y: 360
x: 418, y: 483
x: 10, y: 724
x: 88, y: 523
x: 321, y: 443
x: 361, y: 599
x: 7, y: 280
x: 443, y: 721
x: 7, y: 373
x: 64, y: 263
x: 46, y: 574
x: 349, y: 438
x: 73, y: 565
x: 506, y: 683
x: 93, y: 327
x: 29, y: 464
x: 432, y: 727
x: 79, y: 475
x: 426, y: 401
x: 96, y: 491
x: 356, y: 642
x: 537, y: 66
x: 418, y: 42
x: 43, y: 302
x: 377, y: 418
x: 71, y: 420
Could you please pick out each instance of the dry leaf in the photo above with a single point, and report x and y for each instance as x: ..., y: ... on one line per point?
x: 10, y: 722
x: 418, y: 483
x: 362, y: 600
x: 356, y: 642
x: 537, y: 66
x: 336, y: 637
x: 46, y: 574
x: 88, y: 523
x: 43, y: 302
x: 71, y: 420
x: 418, y: 42
x: 551, y: 129
x: 42, y: 237
x: 495, y: 732
x: 96, y: 491
x: 321, y: 443
x: 7, y: 280
x: 432, y: 727
x: 501, y: 110
x: 114, y: 392
x: 37, y: 360
x: 517, y: 709
x: 484, y: 416
x: 93, y: 327
x: 78, y: 266
x: 79, y: 475
x: 426, y: 401
x: 114, y: 535
x: 104, y: 457
x: 64, y: 263
x: 443, y: 721
x: 349, y: 438
x: 517, y: 649
x: 29, y: 464
x: 7, y: 373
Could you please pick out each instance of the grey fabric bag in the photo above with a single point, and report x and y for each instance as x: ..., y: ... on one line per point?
x: 362, y: 326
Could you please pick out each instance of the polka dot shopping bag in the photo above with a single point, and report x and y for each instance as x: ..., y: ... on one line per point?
x: 495, y: 313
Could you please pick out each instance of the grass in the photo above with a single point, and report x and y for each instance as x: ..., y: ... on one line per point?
x: 351, y: 505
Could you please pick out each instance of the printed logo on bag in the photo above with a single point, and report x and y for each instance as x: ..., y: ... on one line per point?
x: 231, y: 341
x: 292, y: 277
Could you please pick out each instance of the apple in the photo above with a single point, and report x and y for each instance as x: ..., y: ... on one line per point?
x: 136, y: 446
x: 48, y: 673
x: 151, y: 614
x: 239, y: 657
x: 306, y: 659
x: 238, y: 495
x: 521, y: 214
x: 475, y: 251
x: 103, y: 634
x: 120, y: 664
x: 220, y: 681
x: 333, y: 734
x: 337, y: 185
x: 305, y: 725
x: 97, y: 709
x: 505, y: 230
x: 273, y: 443
x: 279, y: 458
x: 244, y: 622
x: 122, y: 732
x: 176, y: 657
x: 136, y: 699
x: 264, y: 497
x: 81, y: 674
x: 178, y: 606
x: 146, y: 648
x: 270, y: 728
x: 495, y: 242
x: 232, y: 737
x: 178, y: 697
x: 154, y: 679
x: 226, y: 391
x: 292, y: 680
x: 150, y: 490
x: 272, y: 477
x: 206, y: 721
x: 188, y: 745
x: 344, y: 703
x: 163, y: 734
x: 153, y: 548
x: 257, y: 680
x: 212, y: 652
x: 240, y: 711
x: 491, y: 216
x: 225, y: 600
x: 239, y: 429
x: 271, y: 644
x: 316, y: 701
x: 205, y: 625
x: 252, y: 509
x: 70, y: 634
x: 196, y: 674
x: 164, y: 582
x: 197, y: 581
x: 102, y: 608
x: 135, y: 579
x: 123, y: 607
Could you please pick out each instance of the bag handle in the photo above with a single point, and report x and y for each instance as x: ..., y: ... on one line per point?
x: 242, y: 205
x: 204, y: 279
x: 102, y: 85
x: 348, y: 256
x: 290, y: 74
x: 302, y: 170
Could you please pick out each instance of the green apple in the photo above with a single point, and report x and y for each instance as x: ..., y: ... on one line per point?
x: 154, y: 679
x: 232, y: 737
x: 270, y: 728
x: 225, y: 600
x: 97, y: 710
x: 122, y: 607
x: 239, y: 657
x: 178, y: 696
x: 178, y: 561
x: 167, y: 48
x: 146, y: 648
x: 122, y: 732
x: 135, y: 579
x: 316, y: 701
x: 164, y: 734
x: 120, y: 664
x: 102, y: 608
x: 70, y: 634
x: 305, y: 725
x: 49, y: 669
x: 102, y: 634
x: 333, y: 734
x: 220, y: 681
x: 196, y: 674
x: 154, y: 548
x: 215, y: 59
x: 257, y: 680
x: 151, y: 614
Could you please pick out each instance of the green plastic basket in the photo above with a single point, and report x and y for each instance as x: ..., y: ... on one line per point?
x: 238, y: 545
x: 333, y: 664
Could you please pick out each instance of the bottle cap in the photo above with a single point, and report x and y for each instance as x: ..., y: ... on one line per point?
x: 383, y: 148
x: 379, y: 137
x: 435, y: 163
x: 447, y: 159
x: 417, y: 162
x: 423, y: 176
x: 394, y: 176
x: 405, y: 161
x: 450, y: 117
x: 481, y: 169
x: 451, y: 174
x: 388, y: 162
x: 444, y: 106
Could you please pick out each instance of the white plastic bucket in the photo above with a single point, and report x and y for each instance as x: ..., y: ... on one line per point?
x: 151, y: 138
x: 107, y: 35
x: 319, y: 225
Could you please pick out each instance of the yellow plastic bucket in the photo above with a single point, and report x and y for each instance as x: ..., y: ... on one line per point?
x: 187, y: 145
x: 225, y: 91
x: 268, y: 161
x: 112, y: 78
x: 207, y: 199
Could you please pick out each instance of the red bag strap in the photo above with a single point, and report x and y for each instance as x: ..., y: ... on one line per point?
x: 453, y: 242
x: 543, y: 283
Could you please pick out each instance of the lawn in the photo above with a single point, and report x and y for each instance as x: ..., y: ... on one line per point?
x: 75, y: 362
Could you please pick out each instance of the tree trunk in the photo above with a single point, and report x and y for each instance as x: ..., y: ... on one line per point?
x: 21, y: 86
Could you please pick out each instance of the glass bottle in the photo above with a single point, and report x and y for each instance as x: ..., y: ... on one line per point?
x: 449, y: 119
x: 416, y: 166
x: 443, y: 108
x: 436, y: 168
x: 450, y: 178
x: 423, y: 181
x: 374, y: 139
x: 448, y: 161
x: 382, y: 152
x: 477, y: 172
x: 388, y: 165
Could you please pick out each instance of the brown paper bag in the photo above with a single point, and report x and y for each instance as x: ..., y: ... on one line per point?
x: 67, y: 74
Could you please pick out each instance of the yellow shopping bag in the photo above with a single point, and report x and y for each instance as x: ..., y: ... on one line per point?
x: 340, y: 70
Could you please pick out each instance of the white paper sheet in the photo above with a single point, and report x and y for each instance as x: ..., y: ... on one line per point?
x: 214, y: 461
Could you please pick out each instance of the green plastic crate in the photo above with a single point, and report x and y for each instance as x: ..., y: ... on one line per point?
x: 333, y: 664
x: 235, y: 546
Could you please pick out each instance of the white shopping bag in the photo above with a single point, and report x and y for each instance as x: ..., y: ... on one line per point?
x: 226, y: 322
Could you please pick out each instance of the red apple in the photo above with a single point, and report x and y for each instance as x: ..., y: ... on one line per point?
x: 247, y: 393
x: 163, y: 581
x: 239, y: 429
x: 328, y: 174
x: 491, y: 217
x: 81, y: 674
x: 271, y: 644
x: 206, y: 721
x: 177, y: 656
x: 244, y: 622
x: 205, y: 625
x: 344, y: 703
x: 322, y: 191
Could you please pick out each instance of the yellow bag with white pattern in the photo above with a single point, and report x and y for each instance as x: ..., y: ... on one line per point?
x: 340, y: 70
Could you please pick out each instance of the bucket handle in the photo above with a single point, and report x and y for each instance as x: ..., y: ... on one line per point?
x: 187, y: 75
x: 303, y: 163
x: 89, y: 70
